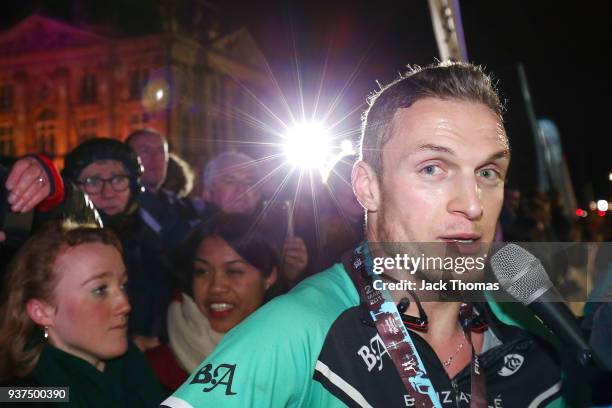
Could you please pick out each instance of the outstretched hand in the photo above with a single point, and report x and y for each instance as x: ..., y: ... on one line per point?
x: 28, y: 185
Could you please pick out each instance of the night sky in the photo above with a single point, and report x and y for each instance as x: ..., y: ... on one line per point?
x: 561, y: 44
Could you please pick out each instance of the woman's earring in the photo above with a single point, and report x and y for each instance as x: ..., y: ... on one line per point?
x: 46, y: 332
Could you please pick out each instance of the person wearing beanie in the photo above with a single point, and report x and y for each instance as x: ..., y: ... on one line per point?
x: 109, y: 172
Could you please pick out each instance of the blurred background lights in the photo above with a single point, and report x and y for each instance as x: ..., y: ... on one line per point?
x: 581, y: 213
x: 602, y: 205
x: 346, y: 148
x: 307, y: 146
x: 156, y: 95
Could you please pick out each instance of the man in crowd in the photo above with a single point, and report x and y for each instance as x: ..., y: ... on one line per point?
x: 230, y: 184
x: 165, y: 213
x: 152, y: 150
x: 434, y: 155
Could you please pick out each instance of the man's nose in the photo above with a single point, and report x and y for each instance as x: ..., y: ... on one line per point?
x: 466, y: 198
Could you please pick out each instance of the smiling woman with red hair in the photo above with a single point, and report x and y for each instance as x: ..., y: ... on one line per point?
x: 64, y: 320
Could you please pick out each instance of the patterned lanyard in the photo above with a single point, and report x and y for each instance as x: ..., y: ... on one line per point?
x: 477, y: 380
x: 399, y: 344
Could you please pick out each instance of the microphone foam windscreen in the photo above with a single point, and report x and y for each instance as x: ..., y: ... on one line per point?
x: 520, y: 273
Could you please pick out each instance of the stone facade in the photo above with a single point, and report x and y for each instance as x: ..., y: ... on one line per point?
x: 60, y: 85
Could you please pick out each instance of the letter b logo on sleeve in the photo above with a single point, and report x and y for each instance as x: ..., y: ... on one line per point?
x: 223, y: 374
x: 373, y: 355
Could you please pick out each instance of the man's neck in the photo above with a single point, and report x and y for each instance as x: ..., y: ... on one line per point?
x: 442, y: 316
x: 442, y: 319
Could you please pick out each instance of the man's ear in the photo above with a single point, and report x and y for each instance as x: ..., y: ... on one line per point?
x: 40, y: 312
x: 365, y: 186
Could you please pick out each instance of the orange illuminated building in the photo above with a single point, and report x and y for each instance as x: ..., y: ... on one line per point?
x: 61, y: 85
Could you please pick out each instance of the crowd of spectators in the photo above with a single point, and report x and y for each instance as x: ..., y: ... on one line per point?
x: 114, y: 257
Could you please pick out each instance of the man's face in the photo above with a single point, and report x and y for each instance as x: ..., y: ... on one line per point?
x: 443, y: 174
x: 153, y: 153
x: 233, y: 191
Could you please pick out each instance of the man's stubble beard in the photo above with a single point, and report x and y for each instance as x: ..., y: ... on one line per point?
x: 391, y: 241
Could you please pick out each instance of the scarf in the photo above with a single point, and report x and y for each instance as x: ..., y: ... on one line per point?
x: 191, y: 338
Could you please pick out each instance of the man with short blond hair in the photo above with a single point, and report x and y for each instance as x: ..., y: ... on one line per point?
x: 434, y: 157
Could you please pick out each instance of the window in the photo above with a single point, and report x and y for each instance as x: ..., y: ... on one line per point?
x: 7, y: 141
x: 6, y: 97
x: 89, y: 89
x: 44, y: 133
x: 138, y: 81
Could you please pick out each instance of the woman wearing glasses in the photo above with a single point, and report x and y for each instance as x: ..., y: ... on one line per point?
x: 109, y: 172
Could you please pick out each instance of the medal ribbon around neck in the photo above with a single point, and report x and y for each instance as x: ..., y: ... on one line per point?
x: 398, y: 342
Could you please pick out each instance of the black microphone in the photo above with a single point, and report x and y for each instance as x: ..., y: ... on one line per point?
x: 522, y: 275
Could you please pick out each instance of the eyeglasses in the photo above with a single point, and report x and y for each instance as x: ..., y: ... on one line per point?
x: 94, y: 185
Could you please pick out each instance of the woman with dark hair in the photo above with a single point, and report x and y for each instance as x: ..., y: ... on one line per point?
x: 64, y: 320
x: 109, y: 172
x: 227, y: 272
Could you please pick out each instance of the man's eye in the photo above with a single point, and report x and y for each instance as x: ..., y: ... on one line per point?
x: 431, y: 170
x: 490, y: 174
